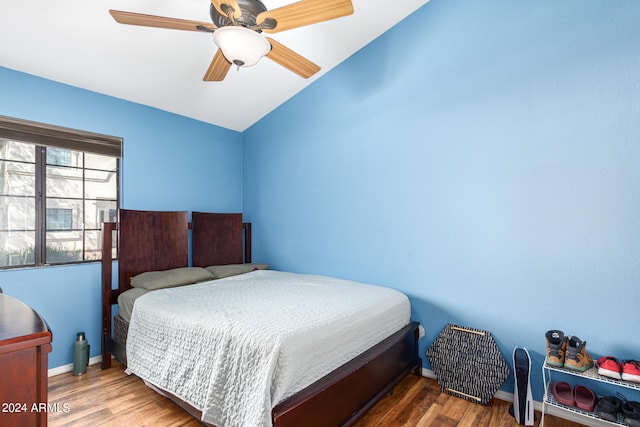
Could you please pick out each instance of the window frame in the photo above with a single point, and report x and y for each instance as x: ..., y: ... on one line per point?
x: 44, y: 136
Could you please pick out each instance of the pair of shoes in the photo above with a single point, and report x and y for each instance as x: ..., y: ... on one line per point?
x: 628, y: 370
x: 609, y: 407
x: 580, y: 396
x: 567, y: 352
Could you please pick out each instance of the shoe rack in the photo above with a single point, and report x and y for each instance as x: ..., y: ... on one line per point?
x: 584, y: 417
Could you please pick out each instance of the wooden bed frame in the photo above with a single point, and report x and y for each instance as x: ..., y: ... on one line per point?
x: 154, y: 240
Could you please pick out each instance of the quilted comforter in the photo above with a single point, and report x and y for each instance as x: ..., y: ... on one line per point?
x: 234, y: 348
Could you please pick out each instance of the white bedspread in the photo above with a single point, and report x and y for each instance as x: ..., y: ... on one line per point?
x: 235, y: 347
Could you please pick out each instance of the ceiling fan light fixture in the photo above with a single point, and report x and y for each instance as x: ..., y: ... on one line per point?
x: 241, y: 46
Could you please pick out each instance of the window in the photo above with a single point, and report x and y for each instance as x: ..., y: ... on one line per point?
x: 59, y: 219
x: 57, y: 186
x: 58, y: 156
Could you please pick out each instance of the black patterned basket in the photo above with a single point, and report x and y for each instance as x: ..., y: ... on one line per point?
x: 468, y: 363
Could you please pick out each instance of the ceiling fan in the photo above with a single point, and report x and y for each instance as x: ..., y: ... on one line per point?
x: 237, y: 27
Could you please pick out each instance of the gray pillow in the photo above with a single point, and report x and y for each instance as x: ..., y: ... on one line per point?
x: 152, y: 280
x: 220, y: 271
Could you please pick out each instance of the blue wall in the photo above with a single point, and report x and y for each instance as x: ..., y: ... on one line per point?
x: 170, y: 163
x: 481, y: 156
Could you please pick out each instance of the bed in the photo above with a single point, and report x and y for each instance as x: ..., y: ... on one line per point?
x: 151, y: 241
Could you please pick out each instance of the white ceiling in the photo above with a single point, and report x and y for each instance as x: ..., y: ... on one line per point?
x: 78, y: 43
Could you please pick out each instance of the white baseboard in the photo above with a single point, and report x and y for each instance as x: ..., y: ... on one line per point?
x: 68, y: 368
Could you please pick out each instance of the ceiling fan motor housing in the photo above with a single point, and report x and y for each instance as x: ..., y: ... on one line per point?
x: 250, y: 10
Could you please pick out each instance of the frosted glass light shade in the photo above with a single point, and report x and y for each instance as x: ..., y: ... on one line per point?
x: 240, y: 45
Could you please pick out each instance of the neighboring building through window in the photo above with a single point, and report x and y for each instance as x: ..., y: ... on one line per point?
x: 59, y: 219
x: 58, y: 156
x: 53, y: 199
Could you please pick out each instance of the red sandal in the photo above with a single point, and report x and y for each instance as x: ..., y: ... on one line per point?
x: 563, y: 393
x: 585, y: 398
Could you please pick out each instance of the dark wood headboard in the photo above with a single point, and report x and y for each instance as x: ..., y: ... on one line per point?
x: 159, y: 240
x: 151, y: 241
x: 217, y: 239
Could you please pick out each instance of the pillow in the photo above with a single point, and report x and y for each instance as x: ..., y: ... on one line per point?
x: 220, y: 271
x: 152, y: 280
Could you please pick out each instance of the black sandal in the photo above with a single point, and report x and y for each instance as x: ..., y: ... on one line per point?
x: 630, y: 411
x: 608, y: 408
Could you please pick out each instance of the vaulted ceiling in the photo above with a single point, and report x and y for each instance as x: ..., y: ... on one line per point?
x: 77, y: 42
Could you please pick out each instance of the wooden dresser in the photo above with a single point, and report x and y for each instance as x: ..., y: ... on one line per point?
x: 25, y: 342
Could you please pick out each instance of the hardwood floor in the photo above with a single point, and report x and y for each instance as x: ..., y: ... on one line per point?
x: 112, y: 398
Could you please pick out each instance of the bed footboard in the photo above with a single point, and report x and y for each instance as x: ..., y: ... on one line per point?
x: 345, y: 394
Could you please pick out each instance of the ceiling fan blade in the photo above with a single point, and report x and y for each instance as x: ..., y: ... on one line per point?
x: 305, y: 12
x: 131, y: 18
x: 291, y: 60
x: 218, y: 68
x: 237, y: 13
